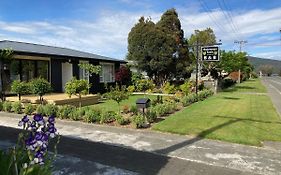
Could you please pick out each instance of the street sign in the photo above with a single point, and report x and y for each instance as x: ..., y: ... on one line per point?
x: 210, y: 53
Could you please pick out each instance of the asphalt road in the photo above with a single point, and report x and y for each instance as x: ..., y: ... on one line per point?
x: 135, y: 161
x: 273, y: 85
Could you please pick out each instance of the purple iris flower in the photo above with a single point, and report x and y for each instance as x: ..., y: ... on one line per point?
x: 51, y: 119
x: 39, y: 119
x: 33, y: 125
x: 40, y: 132
x: 39, y: 154
x: 44, y: 137
x: 38, y: 136
x: 24, y: 120
x: 52, y: 130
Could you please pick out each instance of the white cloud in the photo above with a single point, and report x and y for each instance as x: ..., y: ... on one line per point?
x: 107, y: 35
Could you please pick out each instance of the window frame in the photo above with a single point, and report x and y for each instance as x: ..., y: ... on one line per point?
x: 102, y: 73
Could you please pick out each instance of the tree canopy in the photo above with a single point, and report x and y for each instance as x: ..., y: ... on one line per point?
x: 159, y: 48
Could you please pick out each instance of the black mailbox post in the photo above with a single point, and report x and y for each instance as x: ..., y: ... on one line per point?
x: 143, y: 103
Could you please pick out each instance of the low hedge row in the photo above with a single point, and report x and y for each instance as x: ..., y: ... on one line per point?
x: 96, y: 115
x: 192, y: 98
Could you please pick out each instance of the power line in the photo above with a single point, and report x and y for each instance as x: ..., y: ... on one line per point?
x: 229, y: 12
x: 228, y: 19
x: 206, y: 9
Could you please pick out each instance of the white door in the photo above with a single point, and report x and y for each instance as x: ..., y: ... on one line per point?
x: 66, y: 73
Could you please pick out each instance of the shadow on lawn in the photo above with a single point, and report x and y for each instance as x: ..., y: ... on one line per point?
x: 236, y: 88
x: 199, y: 137
x: 248, y: 119
x: 231, y: 98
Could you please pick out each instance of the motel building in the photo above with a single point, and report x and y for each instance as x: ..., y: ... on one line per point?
x: 55, y: 64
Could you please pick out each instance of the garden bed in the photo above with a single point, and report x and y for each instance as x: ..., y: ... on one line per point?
x: 58, y: 99
x: 108, y: 112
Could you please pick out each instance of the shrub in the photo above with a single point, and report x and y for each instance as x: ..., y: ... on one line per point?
x: 179, y: 95
x: 121, y: 120
x: 20, y: 88
x: 123, y: 75
x: 28, y: 109
x: 65, y: 111
x: 134, y: 109
x: 151, y: 115
x: 50, y: 109
x: 131, y: 89
x: 77, y: 87
x: 144, y: 85
x: 40, y: 87
x: 191, y: 98
x: 118, y: 94
x: 125, y: 109
x: 107, y: 117
x: 186, y: 87
x: 1, y: 106
x: 92, y: 115
x: 168, y: 88
x: 7, y: 106
x: 156, y: 101
x: 227, y: 82
x: 139, y: 121
x: 40, y: 109
x: 17, y: 107
x: 74, y: 114
x: 136, y: 76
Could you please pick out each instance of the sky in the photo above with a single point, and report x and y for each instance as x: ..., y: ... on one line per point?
x: 102, y: 26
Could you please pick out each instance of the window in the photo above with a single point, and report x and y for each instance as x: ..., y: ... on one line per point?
x: 28, y: 70
x: 42, y: 69
x: 108, y: 73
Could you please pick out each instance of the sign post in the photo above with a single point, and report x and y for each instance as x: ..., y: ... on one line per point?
x: 210, y: 53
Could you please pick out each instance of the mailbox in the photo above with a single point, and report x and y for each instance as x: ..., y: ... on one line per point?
x: 143, y: 103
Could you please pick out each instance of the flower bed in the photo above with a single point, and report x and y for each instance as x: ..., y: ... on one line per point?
x: 129, y: 116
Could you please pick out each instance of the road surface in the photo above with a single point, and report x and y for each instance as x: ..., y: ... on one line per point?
x: 78, y: 156
x: 273, y: 85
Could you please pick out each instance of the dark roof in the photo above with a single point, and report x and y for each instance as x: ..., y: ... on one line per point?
x: 51, y: 50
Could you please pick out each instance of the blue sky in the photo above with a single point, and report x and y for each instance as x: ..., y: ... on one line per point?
x: 102, y: 27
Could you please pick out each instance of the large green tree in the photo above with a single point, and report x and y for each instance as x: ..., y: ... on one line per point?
x: 159, y: 48
x: 232, y: 62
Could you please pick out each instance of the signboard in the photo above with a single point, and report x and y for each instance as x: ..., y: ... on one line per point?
x: 210, y: 53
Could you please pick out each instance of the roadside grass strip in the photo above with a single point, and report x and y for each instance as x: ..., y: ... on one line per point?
x: 229, y: 116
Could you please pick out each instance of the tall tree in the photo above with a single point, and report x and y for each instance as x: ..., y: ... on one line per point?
x: 159, y: 48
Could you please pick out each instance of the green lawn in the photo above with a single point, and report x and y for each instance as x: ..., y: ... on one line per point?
x: 253, y: 86
x: 233, y: 116
x: 110, y: 105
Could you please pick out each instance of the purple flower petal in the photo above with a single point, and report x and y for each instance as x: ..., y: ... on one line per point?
x: 38, y: 117
x: 25, y: 119
x: 51, y: 119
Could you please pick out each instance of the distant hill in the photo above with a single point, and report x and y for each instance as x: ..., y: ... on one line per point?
x: 257, y: 62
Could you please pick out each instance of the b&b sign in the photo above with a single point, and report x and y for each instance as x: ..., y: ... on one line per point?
x: 210, y: 53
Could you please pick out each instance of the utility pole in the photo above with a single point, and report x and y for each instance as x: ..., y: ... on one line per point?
x: 241, y: 43
x: 198, y: 46
x: 197, y: 61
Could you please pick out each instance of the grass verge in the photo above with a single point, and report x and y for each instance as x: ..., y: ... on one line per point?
x: 232, y: 116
